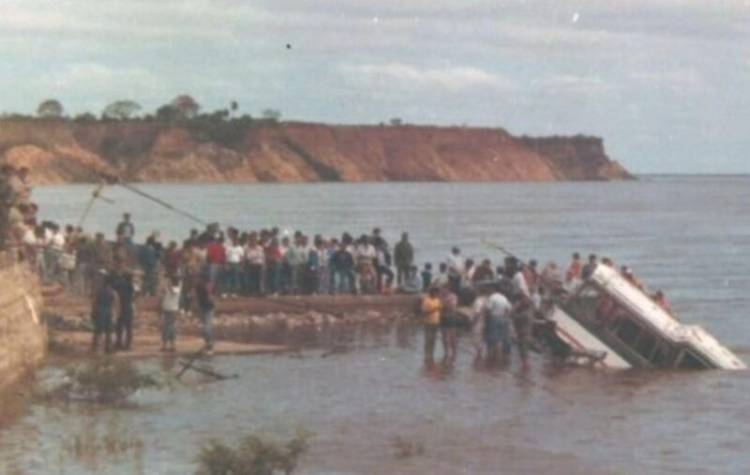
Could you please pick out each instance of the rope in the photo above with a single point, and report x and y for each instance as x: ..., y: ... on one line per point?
x: 162, y: 203
x: 94, y: 196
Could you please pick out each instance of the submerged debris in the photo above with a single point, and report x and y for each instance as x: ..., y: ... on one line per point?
x: 104, y: 381
x: 406, y: 448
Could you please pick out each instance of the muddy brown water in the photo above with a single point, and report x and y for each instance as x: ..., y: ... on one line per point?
x: 469, y: 419
x: 687, y: 235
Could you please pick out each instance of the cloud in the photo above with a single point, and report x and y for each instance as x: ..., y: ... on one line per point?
x: 682, y: 80
x: 571, y: 84
x: 401, y: 75
x: 89, y: 86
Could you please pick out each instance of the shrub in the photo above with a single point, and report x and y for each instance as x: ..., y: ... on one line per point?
x: 104, y: 380
x: 255, y: 455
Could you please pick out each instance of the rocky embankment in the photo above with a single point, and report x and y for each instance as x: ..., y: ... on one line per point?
x: 23, y: 334
x: 59, y: 151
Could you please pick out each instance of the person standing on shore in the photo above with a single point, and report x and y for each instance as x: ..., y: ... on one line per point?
x: 403, y: 256
x: 103, y: 308
x: 254, y: 264
x: 170, y: 308
x: 216, y: 258
x: 126, y: 229
x: 431, y: 308
x: 150, y: 264
x: 205, y: 303
x: 126, y: 295
x: 235, y: 255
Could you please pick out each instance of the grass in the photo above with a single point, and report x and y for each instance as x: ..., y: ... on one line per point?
x: 104, y: 380
x: 255, y: 455
x: 96, y: 448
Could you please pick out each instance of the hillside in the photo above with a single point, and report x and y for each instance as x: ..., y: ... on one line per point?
x: 63, y: 151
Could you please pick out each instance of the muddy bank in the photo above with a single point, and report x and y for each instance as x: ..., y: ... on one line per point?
x: 246, y: 325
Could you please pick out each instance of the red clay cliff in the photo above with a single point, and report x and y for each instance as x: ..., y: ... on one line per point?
x: 65, y: 151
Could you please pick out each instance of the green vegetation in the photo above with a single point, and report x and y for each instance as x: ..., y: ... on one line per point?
x: 255, y: 455
x: 104, y: 380
x: 95, y: 444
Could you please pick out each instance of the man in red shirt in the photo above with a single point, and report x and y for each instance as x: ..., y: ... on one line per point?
x: 215, y: 258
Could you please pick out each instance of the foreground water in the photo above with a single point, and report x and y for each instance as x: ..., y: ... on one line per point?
x: 687, y: 235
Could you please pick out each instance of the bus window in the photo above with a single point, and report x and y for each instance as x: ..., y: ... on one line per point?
x: 645, y: 345
x: 628, y: 332
x: 659, y: 356
x: 690, y: 361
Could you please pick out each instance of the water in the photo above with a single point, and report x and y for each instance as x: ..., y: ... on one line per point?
x: 687, y: 235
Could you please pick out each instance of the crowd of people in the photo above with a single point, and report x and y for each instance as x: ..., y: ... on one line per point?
x: 210, y: 264
x: 508, y: 304
x: 215, y: 263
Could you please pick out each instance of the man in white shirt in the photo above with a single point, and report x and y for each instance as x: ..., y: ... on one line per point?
x: 456, y: 269
x: 497, y: 326
x: 235, y: 253
x: 256, y: 260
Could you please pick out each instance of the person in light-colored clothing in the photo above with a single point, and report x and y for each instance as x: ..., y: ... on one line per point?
x: 170, y: 308
x: 496, y: 325
x: 235, y: 255
x: 477, y: 322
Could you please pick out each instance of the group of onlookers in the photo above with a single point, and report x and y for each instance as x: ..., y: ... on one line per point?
x: 507, y: 302
x: 269, y: 263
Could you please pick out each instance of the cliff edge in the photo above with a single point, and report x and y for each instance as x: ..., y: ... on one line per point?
x: 57, y: 151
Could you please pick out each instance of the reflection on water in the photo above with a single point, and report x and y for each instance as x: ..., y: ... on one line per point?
x: 689, y: 236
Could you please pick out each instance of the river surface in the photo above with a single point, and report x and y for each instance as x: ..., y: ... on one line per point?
x: 687, y: 235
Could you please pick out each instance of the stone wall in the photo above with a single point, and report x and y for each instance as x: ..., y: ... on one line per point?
x: 23, y: 333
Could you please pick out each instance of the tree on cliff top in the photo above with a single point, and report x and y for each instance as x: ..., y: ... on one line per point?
x: 186, y: 106
x: 50, y: 109
x: 182, y: 107
x: 271, y: 114
x: 121, y: 110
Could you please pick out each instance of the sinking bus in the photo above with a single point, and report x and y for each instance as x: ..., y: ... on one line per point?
x: 607, y: 314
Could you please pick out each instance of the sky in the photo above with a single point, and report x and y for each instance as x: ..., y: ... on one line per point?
x: 663, y: 82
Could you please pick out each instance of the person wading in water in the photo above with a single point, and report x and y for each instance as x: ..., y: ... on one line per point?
x: 431, y: 308
x: 449, y: 323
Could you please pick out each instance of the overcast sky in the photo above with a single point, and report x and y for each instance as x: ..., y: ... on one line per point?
x: 664, y: 82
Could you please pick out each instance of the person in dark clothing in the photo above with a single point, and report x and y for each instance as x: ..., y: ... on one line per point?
x: 150, y: 264
x: 124, y: 325
x: 126, y: 229
x: 104, y: 305
x: 403, y: 255
x: 426, y: 277
x: 342, y: 263
x: 383, y: 265
x: 205, y: 302
x: 589, y: 268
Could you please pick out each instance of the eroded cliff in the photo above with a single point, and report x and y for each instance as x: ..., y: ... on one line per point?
x: 63, y: 151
